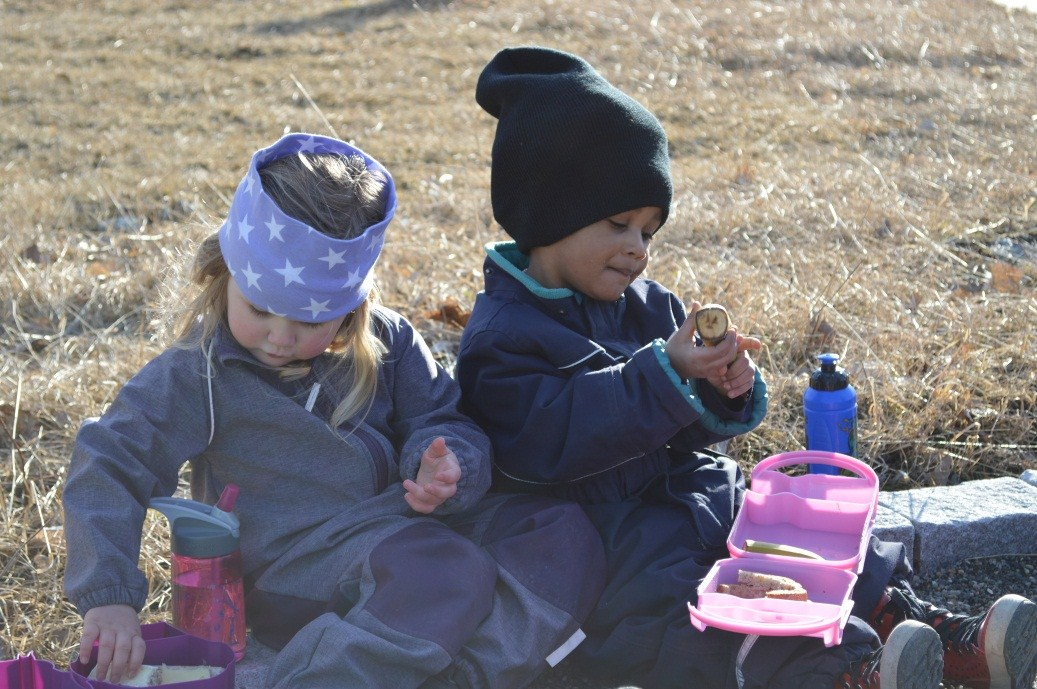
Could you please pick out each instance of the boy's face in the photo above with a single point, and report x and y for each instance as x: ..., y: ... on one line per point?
x: 600, y: 260
x: 275, y: 340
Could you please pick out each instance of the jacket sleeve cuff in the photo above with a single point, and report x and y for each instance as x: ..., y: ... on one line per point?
x: 112, y: 595
x: 753, y: 417
x: 687, y: 392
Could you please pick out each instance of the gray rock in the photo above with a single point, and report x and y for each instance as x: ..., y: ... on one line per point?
x: 890, y: 525
x: 975, y: 519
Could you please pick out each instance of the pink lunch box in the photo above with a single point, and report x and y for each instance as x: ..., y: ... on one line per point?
x: 829, y: 515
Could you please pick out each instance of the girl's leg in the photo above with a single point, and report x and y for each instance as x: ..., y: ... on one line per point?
x: 423, y: 592
x: 550, y: 571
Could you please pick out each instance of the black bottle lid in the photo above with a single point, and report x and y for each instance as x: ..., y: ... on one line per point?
x: 196, y: 538
x: 829, y: 377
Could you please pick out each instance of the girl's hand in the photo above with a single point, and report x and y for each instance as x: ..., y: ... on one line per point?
x: 436, y: 481
x: 120, y: 649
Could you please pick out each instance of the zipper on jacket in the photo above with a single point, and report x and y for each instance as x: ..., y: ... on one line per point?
x: 378, y: 458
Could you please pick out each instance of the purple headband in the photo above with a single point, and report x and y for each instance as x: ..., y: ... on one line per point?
x: 283, y: 265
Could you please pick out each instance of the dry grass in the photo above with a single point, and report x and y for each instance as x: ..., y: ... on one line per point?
x: 856, y: 177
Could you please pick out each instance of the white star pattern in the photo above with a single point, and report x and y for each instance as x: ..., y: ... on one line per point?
x: 317, y: 307
x: 333, y: 258
x: 275, y: 228
x: 354, y: 279
x: 244, y: 228
x: 254, y: 261
x: 252, y: 277
x: 372, y: 241
x: 290, y: 273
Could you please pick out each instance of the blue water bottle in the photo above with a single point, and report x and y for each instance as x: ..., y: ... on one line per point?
x: 830, y: 410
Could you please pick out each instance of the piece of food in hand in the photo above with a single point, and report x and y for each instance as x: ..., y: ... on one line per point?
x: 712, y: 323
x: 767, y: 548
x: 157, y: 675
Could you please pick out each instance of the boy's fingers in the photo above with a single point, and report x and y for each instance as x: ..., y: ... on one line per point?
x: 746, y: 343
x: 687, y: 327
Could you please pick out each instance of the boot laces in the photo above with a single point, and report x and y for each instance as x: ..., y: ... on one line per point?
x: 960, y: 632
x: 862, y: 670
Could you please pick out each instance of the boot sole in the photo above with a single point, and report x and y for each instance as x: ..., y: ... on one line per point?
x: 1012, y: 626
x: 912, y: 657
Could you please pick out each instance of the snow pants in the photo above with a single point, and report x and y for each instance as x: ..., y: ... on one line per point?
x: 486, y: 598
x: 640, y: 632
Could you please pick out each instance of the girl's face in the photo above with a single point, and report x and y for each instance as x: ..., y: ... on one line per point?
x: 275, y: 340
x: 600, y: 260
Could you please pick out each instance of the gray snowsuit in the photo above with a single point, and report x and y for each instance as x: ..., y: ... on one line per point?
x: 355, y: 588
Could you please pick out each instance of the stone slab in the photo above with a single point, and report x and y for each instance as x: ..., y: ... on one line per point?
x: 974, y: 519
x: 890, y: 525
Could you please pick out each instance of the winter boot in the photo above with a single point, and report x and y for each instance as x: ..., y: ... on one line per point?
x: 994, y: 650
x: 910, y: 659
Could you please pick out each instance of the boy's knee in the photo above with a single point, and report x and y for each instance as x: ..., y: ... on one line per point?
x: 431, y: 583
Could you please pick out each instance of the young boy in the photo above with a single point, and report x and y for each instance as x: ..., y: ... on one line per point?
x: 591, y: 387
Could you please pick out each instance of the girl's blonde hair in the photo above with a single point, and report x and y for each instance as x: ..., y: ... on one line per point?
x: 339, y: 196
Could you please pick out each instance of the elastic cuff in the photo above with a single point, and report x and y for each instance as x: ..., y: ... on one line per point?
x: 685, y: 388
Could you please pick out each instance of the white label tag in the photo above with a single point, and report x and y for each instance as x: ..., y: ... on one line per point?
x: 566, y: 648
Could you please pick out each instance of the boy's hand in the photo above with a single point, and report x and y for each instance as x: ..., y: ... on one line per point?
x: 120, y: 649
x: 436, y: 481
x: 740, y: 375
x: 726, y: 365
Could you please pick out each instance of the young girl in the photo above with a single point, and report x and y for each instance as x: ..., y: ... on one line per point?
x: 342, y: 433
x: 590, y: 385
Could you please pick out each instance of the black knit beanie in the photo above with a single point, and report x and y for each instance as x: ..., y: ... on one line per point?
x: 570, y: 150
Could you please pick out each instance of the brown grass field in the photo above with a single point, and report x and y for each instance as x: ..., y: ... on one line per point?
x: 857, y: 177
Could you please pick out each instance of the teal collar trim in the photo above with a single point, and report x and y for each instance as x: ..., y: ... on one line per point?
x: 512, y: 261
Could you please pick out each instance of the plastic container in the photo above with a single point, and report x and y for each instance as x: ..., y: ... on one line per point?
x: 166, y: 645
x: 208, y: 591
x: 830, y: 412
x: 831, y: 515
x: 826, y: 513
x: 29, y: 672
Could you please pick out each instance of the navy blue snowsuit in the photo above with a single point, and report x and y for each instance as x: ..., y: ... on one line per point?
x: 580, y: 402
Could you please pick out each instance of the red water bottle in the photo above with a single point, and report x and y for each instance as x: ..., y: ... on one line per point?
x: 208, y: 593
